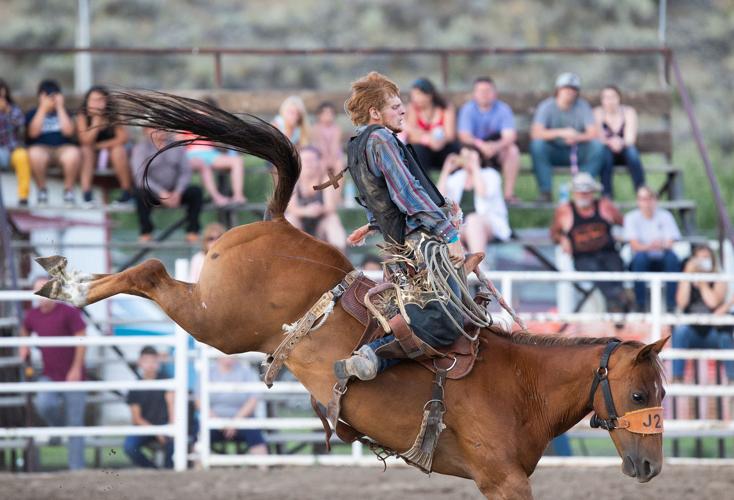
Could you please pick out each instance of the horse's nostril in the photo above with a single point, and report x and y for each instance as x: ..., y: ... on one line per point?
x: 646, y: 468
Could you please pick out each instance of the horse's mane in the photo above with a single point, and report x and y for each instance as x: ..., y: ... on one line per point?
x: 522, y: 338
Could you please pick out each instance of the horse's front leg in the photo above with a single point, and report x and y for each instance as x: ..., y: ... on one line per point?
x: 503, y: 483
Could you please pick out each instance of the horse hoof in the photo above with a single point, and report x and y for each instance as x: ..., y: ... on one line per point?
x: 54, y: 265
x: 50, y: 290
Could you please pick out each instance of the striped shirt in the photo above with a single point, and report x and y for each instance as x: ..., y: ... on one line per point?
x: 385, y: 159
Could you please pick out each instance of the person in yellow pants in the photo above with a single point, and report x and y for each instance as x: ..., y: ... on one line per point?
x: 12, y: 152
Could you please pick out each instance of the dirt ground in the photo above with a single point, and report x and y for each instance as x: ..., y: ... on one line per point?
x: 700, y: 483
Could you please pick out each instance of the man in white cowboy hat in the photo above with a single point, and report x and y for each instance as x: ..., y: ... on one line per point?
x: 564, y: 133
x: 583, y: 228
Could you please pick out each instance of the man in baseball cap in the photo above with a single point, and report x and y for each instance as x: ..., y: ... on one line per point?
x: 564, y: 133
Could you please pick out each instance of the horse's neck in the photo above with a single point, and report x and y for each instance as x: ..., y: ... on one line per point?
x: 563, y: 382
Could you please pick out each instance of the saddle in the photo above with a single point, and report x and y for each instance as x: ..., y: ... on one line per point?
x: 458, y: 358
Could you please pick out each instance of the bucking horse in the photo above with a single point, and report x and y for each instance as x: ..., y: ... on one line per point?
x: 523, y: 390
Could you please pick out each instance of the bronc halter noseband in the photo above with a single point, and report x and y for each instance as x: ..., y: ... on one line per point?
x: 644, y: 421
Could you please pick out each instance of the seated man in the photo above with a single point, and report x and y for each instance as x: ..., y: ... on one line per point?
x: 487, y: 124
x: 564, y: 133
x: 60, y: 364
x: 149, y: 408
x: 50, y: 133
x: 235, y: 404
x: 169, y: 180
x: 651, y: 232
x: 406, y: 207
x: 582, y: 227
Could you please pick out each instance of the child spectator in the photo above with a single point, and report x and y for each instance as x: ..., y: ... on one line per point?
x: 564, y: 133
x: 235, y: 405
x: 314, y: 212
x: 169, y: 181
x: 488, y: 124
x: 12, y: 152
x: 618, y: 126
x: 212, y: 232
x: 583, y: 228
x: 102, y: 143
x: 149, y: 407
x: 326, y: 136
x: 431, y: 125
x: 60, y: 364
x: 651, y: 232
x: 701, y: 298
x: 489, y: 220
x: 292, y: 120
x: 50, y: 133
x: 205, y: 158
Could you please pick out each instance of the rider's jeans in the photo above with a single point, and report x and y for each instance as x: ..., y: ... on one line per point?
x: 383, y: 364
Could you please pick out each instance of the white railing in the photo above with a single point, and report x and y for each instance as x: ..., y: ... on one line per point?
x: 179, y: 384
x: 204, y: 354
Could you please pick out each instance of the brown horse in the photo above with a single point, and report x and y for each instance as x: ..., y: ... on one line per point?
x: 523, y: 391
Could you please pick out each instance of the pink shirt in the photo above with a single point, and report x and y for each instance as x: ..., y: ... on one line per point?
x: 61, y: 321
x: 328, y: 141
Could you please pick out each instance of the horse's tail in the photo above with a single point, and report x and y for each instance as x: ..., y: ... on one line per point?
x: 245, y: 133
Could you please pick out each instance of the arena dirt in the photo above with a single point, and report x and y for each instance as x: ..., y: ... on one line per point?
x: 700, y: 483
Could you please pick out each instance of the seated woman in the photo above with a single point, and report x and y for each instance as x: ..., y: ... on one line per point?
x: 618, y: 126
x: 489, y: 221
x: 315, y: 211
x: 205, y: 158
x: 102, y: 144
x: 701, y: 298
x: 292, y: 120
x: 431, y: 125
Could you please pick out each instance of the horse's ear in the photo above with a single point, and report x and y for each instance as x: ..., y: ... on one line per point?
x: 655, y: 347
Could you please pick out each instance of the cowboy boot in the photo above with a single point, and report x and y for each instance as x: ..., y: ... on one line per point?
x: 363, y: 364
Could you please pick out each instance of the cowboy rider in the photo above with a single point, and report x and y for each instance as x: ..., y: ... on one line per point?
x: 402, y: 203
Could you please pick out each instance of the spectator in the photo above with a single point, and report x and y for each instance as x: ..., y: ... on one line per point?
x: 12, y: 150
x: 489, y: 220
x: 50, y: 133
x: 371, y: 263
x: 701, y: 297
x: 149, y: 407
x: 564, y: 133
x: 205, y: 158
x: 235, y: 405
x: 583, y: 229
x: 327, y: 138
x: 488, y: 124
x: 60, y: 364
x: 169, y: 182
x: 292, y: 120
x: 102, y: 143
x: 315, y: 211
x: 212, y: 232
x: 431, y: 125
x: 651, y: 232
x: 618, y: 127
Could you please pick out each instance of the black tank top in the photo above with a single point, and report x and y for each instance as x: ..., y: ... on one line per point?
x: 310, y: 224
x: 608, y: 132
x: 590, y: 235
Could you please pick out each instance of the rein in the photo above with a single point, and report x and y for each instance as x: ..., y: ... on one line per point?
x: 644, y: 421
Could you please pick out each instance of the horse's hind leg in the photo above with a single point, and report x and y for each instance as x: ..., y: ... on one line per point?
x: 148, y: 279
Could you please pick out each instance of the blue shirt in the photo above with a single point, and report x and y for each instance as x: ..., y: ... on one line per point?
x: 385, y: 159
x: 50, y: 130
x: 485, y: 124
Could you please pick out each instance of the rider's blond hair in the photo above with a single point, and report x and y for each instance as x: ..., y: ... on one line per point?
x: 371, y: 91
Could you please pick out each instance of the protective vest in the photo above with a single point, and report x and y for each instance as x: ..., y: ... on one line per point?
x: 373, y: 191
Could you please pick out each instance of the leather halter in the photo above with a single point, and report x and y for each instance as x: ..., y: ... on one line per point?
x: 643, y: 421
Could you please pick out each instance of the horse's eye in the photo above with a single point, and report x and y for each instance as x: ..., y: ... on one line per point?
x: 638, y: 398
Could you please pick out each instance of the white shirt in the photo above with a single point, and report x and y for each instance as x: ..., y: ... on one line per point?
x: 660, y: 227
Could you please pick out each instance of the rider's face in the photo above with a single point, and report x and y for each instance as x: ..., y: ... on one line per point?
x: 392, y: 115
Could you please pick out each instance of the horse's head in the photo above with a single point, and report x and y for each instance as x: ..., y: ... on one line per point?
x: 634, y: 417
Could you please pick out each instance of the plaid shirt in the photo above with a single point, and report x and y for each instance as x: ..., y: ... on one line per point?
x: 11, y: 128
x: 385, y: 159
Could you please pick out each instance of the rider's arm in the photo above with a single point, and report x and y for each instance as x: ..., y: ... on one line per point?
x: 405, y: 191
